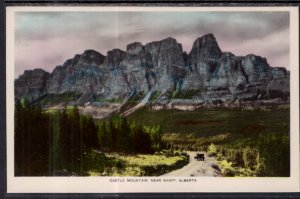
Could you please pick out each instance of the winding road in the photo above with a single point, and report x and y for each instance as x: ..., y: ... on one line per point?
x: 194, y: 168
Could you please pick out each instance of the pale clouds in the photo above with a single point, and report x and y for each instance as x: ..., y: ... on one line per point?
x: 46, y: 40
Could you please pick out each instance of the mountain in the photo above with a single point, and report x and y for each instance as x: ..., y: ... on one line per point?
x: 161, y: 66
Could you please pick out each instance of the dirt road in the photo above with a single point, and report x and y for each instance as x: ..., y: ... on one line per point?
x: 208, y: 167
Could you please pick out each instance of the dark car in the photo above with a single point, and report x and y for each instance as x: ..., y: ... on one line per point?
x: 200, y: 157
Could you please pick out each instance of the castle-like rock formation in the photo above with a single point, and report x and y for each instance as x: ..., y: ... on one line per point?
x: 161, y: 66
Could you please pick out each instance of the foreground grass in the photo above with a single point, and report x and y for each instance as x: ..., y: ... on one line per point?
x: 114, y: 164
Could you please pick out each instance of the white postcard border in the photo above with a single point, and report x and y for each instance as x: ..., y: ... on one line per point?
x: 108, y: 184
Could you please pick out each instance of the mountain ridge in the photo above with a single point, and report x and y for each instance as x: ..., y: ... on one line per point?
x: 161, y: 66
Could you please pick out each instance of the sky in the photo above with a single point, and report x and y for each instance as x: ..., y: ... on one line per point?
x: 47, y: 39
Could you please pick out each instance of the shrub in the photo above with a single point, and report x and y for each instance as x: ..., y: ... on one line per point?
x: 249, y: 157
x: 227, y: 169
x: 119, y: 165
x: 219, y: 156
x: 260, y: 167
x: 212, y: 150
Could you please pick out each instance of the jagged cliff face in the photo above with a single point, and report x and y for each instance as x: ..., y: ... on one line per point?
x: 159, y: 65
x: 32, y: 84
x: 80, y: 74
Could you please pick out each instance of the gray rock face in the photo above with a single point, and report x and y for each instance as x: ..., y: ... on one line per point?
x: 31, y: 84
x: 89, y: 57
x: 202, y: 62
x: 80, y: 74
x: 161, y: 66
x: 146, y: 67
x: 56, y: 80
x: 205, y: 47
x: 228, y: 73
x: 256, y: 69
x: 114, y: 59
x: 135, y: 48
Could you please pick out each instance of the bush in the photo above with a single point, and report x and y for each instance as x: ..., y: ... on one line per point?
x: 219, y: 156
x: 227, y: 169
x: 249, y: 157
x: 119, y: 165
x: 212, y: 150
x: 260, y: 167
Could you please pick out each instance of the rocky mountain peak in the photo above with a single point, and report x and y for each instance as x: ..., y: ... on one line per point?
x: 114, y: 58
x: 256, y: 60
x: 35, y: 72
x: 134, y: 48
x: 93, y: 57
x: 31, y: 84
x: 87, y: 58
x: 169, y: 40
x: 227, y: 54
x: 169, y: 43
x: 205, y: 47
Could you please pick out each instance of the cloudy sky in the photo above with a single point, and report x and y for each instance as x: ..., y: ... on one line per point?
x: 47, y: 39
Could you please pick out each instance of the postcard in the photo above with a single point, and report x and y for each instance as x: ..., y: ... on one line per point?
x: 152, y: 99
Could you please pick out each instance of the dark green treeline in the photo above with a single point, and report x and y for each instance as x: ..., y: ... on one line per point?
x: 118, y: 134
x: 46, y: 143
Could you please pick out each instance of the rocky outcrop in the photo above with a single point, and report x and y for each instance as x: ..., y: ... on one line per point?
x: 80, y: 74
x: 160, y: 66
x: 31, y: 84
x: 256, y: 69
x: 205, y: 47
x: 114, y: 59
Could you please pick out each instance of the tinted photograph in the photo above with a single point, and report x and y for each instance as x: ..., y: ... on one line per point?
x: 136, y: 93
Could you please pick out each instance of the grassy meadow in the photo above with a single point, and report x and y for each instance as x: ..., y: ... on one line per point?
x: 210, y: 122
